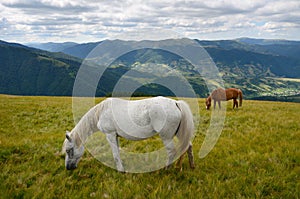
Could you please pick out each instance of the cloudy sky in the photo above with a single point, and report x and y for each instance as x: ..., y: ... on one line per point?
x: 82, y: 21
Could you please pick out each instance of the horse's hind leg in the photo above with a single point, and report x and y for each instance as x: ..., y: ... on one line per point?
x: 191, y: 156
x: 169, y: 144
x: 235, y: 103
x: 179, y: 163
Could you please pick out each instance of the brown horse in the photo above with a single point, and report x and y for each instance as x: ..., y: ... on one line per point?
x: 220, y: 94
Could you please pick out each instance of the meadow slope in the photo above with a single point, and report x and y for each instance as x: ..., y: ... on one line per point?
x: 256, y: 156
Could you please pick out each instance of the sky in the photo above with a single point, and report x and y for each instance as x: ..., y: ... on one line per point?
x: 81, y: 21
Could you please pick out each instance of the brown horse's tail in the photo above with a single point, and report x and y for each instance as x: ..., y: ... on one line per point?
x: 240, y: 97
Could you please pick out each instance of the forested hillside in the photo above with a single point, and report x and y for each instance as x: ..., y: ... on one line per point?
x: 261, y: 68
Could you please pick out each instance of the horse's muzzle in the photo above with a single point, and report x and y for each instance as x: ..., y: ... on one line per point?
x: 71, y: 166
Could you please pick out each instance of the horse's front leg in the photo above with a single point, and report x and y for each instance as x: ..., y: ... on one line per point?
x: 114, y: 144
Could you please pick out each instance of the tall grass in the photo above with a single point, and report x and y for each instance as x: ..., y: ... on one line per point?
x: 257, y: 156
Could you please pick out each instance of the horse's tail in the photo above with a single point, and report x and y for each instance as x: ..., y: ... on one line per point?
x: 240, y: 97
x: 186, y: 127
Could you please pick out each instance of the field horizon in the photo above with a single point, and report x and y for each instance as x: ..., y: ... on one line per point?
x: 256, y: 156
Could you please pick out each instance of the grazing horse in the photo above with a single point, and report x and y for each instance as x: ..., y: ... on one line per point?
x: 134, y: 120
x: 220, y: 94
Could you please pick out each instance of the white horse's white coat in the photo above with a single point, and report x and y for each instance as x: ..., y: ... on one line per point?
x: 133, y: 120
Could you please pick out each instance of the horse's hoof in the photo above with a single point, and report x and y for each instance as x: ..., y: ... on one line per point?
x: 121, y: 170
x: 168, y: 167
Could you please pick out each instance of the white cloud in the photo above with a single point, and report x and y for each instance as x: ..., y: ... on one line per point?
x: 78, y: 20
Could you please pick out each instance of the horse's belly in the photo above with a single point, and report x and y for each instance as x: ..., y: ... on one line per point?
x: 138, y: 134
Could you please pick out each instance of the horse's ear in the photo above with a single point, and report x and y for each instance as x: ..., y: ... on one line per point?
x: 77, y: 139
x: 68, y: 137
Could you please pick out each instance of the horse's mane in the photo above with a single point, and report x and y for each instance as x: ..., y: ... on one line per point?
x: 86, y: 125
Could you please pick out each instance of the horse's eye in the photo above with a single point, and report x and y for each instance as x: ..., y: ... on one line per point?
x: 70, y: 152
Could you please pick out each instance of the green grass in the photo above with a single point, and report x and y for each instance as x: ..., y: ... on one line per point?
x: 256, y: 156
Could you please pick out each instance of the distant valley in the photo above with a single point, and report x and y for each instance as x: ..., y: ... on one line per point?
x: 263, y: 69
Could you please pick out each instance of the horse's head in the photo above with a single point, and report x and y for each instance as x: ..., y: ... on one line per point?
x: 73, y: 152
x: 208, y: 103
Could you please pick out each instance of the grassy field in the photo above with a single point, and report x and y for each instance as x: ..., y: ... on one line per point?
x: 257, y: 156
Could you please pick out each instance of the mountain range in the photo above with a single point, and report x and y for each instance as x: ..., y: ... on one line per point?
x: 261, y: 68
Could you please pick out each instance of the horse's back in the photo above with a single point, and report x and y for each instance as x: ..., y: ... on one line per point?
x: 232, y: 93
x: 219, y: 94
x: 138, y: 119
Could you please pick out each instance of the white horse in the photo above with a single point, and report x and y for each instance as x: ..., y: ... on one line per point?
x: 134, y: 120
